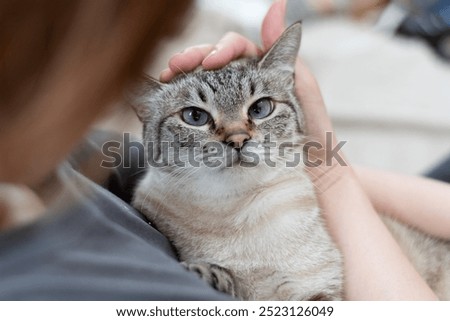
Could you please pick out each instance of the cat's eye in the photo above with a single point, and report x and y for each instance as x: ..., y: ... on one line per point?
x: 261, y: 108
x: 195, y: 116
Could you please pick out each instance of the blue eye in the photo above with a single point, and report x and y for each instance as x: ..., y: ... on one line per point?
x: 195, y: 116
x: 261, y: 108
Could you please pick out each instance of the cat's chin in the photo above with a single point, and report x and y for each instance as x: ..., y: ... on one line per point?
x: 243, y: 161
x: 243, y: 167
x: 241, y: 173
x: 242, y: 164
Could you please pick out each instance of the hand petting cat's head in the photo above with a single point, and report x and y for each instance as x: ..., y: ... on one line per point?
x: 239, y: 117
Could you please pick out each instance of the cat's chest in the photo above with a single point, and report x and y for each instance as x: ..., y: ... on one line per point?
x: 236, y: 203
x: 279, y: 215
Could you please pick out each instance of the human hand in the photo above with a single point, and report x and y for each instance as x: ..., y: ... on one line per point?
x: 374, y: 266
x: 233, y: 46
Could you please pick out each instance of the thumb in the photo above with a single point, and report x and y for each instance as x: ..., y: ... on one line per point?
x: 273, y: 23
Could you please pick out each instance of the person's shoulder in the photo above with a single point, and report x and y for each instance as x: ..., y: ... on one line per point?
x: 96, y: 247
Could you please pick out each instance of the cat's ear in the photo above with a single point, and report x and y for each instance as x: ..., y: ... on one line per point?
x: 138, y: 95
x: 283, y: 53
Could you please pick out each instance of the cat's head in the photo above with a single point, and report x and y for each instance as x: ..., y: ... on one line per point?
x: 237, y: 116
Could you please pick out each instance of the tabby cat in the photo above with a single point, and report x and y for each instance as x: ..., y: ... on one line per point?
x: 221, y: 188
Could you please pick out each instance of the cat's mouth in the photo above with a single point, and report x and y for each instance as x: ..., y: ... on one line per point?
x: 227, y: 156
x: 242, y: 157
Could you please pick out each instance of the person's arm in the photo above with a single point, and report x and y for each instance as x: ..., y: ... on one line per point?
x: 374, y: 266
x: 420, y: 202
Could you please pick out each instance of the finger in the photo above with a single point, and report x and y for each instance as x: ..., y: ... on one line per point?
x: 166, y: 75
x: 230, y: 47
x: 189, y: 59
x: 273, y: 23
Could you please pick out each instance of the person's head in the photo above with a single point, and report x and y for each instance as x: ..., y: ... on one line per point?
x: 62, y: 63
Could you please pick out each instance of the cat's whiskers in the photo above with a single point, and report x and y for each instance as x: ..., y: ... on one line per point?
x: 302, y: 174
x: 176, y: 181
x: 138, y: 172
x: 180, y: 70
x: 178, y: 176
x: 272, y: 205
x: 314, y: 176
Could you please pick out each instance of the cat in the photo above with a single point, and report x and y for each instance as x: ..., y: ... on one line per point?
x: 223, y: 192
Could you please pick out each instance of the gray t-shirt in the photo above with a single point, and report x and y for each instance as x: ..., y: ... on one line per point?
x: 93, y: 246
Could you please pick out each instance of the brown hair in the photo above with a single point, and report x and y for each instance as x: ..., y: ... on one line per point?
x: 61, y: 64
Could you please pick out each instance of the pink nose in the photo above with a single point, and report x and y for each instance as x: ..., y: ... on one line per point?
x: 237, y: 140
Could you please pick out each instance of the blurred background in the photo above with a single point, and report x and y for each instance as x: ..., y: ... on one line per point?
x: 383, y: 67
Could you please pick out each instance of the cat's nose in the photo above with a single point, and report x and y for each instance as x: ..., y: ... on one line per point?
x: 237, y: 140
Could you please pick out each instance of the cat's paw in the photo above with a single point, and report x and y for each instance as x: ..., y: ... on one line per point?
x: 218, y: 277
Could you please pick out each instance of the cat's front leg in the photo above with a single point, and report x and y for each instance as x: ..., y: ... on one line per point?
x: 215, y: 275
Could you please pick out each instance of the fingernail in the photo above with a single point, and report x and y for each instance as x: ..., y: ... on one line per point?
x: 212, y: 53
x: 182, y: 51
x: 164, y: 74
